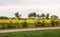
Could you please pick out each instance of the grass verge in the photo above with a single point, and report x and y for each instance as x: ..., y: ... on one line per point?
x: 40, y: 33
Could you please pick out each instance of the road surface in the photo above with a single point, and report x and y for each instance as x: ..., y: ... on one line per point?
x: 27, y: 29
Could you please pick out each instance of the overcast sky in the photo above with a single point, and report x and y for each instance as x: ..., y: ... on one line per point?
x: 24, y: 7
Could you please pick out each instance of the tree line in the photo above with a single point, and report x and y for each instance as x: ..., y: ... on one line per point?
x: 39, y: 16
x: 33, y: 15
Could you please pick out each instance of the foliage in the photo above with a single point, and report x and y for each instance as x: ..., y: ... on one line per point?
x: 54, y: 22
x: 17, y: 15
x: 24, y: 24
x: 47, y: 16
x: 32, y: 15
x: 2, y: 17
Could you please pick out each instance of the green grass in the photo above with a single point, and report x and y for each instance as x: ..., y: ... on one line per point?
x: 41, y: 33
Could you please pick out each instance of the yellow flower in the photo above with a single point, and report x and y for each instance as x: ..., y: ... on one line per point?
x: 47, y: 21
x: 30, y: 21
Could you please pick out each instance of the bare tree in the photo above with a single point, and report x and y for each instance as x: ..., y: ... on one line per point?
x: 17, y: 15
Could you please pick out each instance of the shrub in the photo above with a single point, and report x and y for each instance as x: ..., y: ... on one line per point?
x: 54, y: 23
x: 31, y: 25
x: 18, y: 25
x: 24, y: 24
x: 39, y: 24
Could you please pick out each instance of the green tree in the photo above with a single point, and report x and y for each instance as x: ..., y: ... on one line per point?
x: 54, y: 17
x: 47, y: 16
x: 32, y: 15
x: 43, y: 16
x: 38, y: 16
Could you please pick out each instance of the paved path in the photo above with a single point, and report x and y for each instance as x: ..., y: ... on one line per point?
x: 27, y: 29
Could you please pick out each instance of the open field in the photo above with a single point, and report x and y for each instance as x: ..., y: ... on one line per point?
x: 39, y: 33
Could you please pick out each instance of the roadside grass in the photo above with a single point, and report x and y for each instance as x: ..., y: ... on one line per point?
x: 38, y: 33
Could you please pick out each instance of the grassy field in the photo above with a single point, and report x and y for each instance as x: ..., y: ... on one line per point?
x: 42, y: 33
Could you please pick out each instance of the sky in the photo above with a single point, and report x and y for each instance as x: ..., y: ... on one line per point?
x: 24, y: 7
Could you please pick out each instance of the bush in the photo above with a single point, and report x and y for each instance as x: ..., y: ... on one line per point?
x: 54, y: 23
x: 2, y: 17
x: 18, y: 25
x: 31, y: 25
x: 39, y: 24
x: 3, y: 26
x: 24, y: 25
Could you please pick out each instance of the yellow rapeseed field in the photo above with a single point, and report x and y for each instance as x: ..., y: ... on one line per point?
x: 28, y: 21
